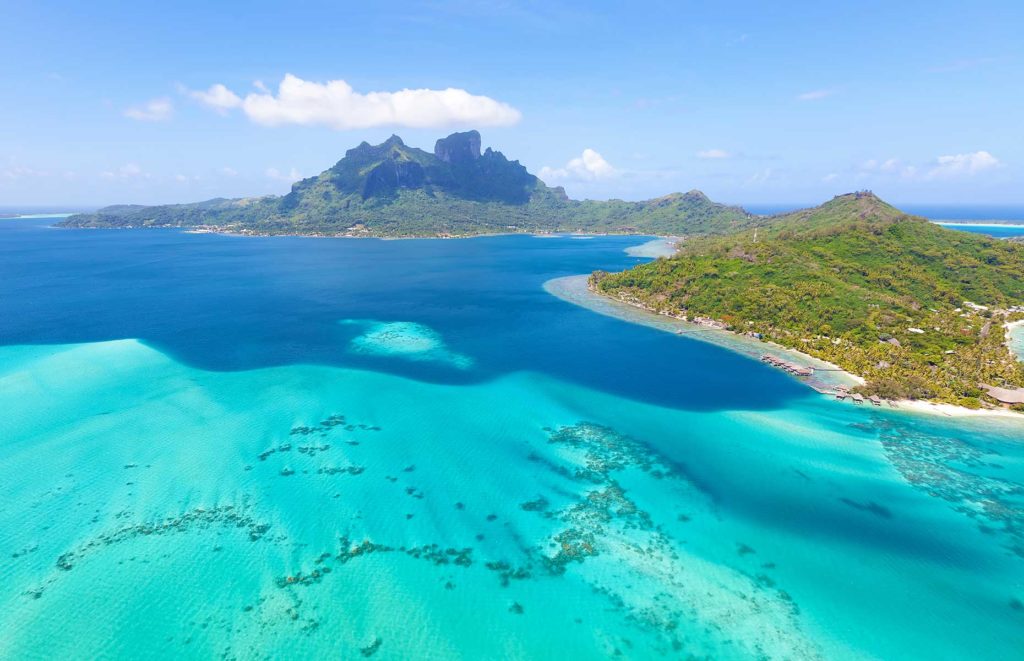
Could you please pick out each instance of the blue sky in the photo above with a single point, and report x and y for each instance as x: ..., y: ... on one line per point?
x: 922, y: 102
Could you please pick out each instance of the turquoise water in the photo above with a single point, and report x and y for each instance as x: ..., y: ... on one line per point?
x: 998, y: 230
x: 422, y: 454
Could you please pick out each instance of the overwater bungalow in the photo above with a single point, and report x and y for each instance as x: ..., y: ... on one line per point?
x: 858, y: 398
x: 876, y: 400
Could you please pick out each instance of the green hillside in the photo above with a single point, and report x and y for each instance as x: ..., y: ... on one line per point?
x: 392, y: 189
x: 857, y: 282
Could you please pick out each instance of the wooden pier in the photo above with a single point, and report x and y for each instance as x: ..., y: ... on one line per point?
x: 792, y: 368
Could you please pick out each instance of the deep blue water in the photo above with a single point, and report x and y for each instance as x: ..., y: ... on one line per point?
x: 232, y: 303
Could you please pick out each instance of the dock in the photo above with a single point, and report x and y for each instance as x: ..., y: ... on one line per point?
x: 792, y: 368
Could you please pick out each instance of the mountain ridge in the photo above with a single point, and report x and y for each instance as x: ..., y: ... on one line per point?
x: 392, y: 189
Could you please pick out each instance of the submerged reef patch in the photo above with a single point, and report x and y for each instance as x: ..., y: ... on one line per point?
x: 225, y: 515
x: 949, y: 468
x: 657, y: 587
x: 600, y: 535
x: 406, y: 340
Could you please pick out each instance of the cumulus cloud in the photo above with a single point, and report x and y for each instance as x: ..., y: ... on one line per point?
x: 958, y: 165
x: 588, y: 166
x: 289, y: 177
x: 229, y: 172
x: 336, y: 105
x: 950, y: 166
x: 218, y: 98
x: 156, y: 110
x: 815, y: 95
x: 829, y: 178
x: 713, y: 154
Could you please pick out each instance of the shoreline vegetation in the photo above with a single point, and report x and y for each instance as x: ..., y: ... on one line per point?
x: 576, y: 289
x: 827, y: 379
x: 883, y: 295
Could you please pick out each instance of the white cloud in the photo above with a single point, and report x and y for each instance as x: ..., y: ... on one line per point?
x: 127, y: 171
x: 829, y: 178
x: 20, y: 172
x: 217, y: 97
x: 290, y: 177
x: 713, y: 154
x: 760, y: 177
x: 588, y: 166
x: 890, y: 165
x: 958, y: 165
x: 815, y: 95
x: 944, y: 167
x: 229, y: 172
x: 336, y: 105
x: 180, y: 178
x: 156, y: 110
x: 874, y: 165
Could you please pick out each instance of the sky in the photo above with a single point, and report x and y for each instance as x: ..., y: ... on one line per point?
x: 751, y: 102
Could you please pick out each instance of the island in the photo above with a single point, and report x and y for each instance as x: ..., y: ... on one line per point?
x: 393, y: 190
x: 918, y: 311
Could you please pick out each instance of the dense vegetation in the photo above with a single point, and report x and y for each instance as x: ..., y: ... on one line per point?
x: 392, y: 189
x: 888, y: 296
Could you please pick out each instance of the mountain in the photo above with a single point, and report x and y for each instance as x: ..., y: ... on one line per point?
x: 913, y: 307
x: 392, y: 189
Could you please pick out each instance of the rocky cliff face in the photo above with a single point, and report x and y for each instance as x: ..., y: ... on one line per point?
x: 458, y: 147
x: 456, y: 168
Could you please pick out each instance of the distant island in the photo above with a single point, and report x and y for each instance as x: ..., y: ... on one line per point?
x: 393, y: 190
x: 917, y: 310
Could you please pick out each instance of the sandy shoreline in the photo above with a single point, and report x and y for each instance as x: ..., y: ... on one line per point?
x: 1015, y: 343
x: 954, y: 411
x: 574, y: 289
x: 827, y: 377
x: 663, y: 246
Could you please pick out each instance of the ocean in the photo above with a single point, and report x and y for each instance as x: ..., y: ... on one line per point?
x: 217, y: 446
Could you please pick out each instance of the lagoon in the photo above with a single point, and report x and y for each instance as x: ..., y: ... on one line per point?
x: 246, y: 447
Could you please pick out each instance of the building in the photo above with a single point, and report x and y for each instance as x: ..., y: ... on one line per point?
x: 1005, y: 395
